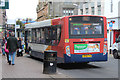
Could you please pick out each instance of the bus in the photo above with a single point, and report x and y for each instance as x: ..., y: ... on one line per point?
x: 76, y: 38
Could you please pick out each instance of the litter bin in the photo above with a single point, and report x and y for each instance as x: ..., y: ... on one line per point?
x: 50, y: 62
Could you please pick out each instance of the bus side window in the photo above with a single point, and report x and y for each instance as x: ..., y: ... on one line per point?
x: 33, y: 35
x: 56, y: 35
x: 48, y: 36
x: 38, y: 36
x: 119, y: 38
x: 42, y: 39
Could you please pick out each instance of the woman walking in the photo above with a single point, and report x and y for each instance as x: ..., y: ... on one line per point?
x: 7, y: 52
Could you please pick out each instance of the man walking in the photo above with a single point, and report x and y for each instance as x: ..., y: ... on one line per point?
x: 12, y: 46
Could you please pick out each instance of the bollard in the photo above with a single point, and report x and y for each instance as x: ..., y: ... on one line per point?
x: 50, y: 62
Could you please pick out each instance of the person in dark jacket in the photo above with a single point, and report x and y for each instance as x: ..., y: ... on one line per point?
x: 19, y: 52
x: 12, y: 46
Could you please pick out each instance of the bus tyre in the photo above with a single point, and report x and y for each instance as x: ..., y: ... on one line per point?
x: 115, y: 54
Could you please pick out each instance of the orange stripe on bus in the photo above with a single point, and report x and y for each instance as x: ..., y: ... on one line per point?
x: 86, y: 24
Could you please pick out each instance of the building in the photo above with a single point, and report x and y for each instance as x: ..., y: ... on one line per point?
x: 108, y: 8
x: 91, y: 7
x: 3, y: 20
x: 49, y: 9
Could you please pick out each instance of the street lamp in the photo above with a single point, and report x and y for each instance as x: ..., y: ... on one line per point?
x: 77, y: 7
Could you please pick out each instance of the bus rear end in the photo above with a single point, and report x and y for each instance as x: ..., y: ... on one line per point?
x: 87, y: 39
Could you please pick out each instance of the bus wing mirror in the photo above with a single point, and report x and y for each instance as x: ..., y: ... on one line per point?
x: 117, y: 40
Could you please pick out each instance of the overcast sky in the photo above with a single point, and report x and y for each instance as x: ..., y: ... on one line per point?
x: 21, y: 9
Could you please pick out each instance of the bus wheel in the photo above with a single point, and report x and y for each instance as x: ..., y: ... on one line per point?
x: 115, y: 54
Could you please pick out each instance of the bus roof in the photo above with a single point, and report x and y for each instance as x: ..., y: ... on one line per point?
x: 39, y: 24
x: 49, y: 21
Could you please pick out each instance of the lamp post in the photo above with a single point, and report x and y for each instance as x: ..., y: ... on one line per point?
x: 77, y: 7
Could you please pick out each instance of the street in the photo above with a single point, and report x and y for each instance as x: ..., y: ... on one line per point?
x: 107, y: 69
x: 27, y: 67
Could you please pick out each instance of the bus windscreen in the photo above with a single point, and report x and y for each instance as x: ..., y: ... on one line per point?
x: 86, y: 27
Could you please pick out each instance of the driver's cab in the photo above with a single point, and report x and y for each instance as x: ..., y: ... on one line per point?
x: 116, y: 48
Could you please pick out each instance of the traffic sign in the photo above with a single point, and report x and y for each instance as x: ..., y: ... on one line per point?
x: 4, y: 4
x: 110, y: 25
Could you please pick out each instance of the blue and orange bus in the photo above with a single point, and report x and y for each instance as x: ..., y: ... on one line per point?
x: 76, y: 38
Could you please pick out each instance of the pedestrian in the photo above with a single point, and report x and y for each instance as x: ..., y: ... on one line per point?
x: 23, y: 44
x: 26, y: 48
x: 19, y: 51
x: 3, y: 46
x: 12, y: 46
x: 0, y: 48
x: 7, y: 52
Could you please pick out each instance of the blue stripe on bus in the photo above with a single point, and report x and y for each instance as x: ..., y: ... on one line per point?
x: 78, y: 58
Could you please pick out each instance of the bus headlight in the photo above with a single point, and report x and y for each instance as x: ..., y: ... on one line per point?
x: 68, y: 51
x: 105, y: 50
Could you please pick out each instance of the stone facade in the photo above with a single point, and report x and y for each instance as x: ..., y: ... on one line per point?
x: 3, y: 19
x: 42, y: 11
x: 49, y: 10
x: 91, y: 7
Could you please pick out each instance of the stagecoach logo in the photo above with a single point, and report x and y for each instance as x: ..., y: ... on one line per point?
x: 88, y: 39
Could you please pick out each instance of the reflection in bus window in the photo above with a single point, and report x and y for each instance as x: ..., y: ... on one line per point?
x: 42, y: 35
x: 78, y: 29
x: 38, y: 36
x: 34, y: 35
x: 29, y: 36
x: 48, y: 35
x: 58, y: 34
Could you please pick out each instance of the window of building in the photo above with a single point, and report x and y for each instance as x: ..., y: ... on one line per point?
x: 64, y: 12
x: 67, y: 12
x: 72, y: 12
x: 99, y: 10
x: 67, y: 3
x: 81, y: 10
x: 92, y: 9
x: 86, y: 10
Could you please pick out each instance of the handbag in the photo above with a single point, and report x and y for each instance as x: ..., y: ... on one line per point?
x: 20, y: 50
x: 6, y: 50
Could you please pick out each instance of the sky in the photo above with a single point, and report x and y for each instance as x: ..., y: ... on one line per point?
x: 21, y: 9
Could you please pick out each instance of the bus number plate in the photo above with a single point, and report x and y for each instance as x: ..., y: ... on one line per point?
x: 86, y: 56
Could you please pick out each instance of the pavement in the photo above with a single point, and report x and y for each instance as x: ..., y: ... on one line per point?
x: 0, y: 66
x: 25, y: 67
